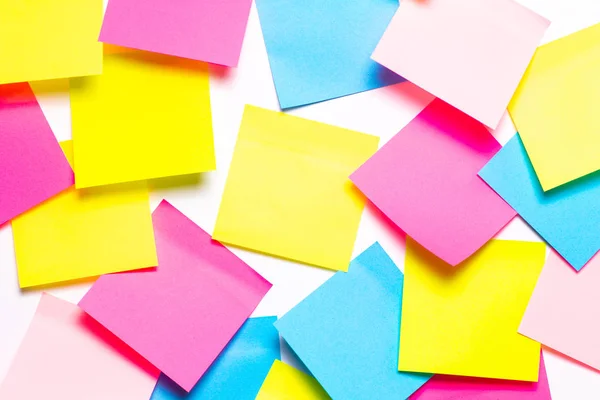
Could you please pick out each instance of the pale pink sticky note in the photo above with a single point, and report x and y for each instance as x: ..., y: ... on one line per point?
x: 204, y: 30
x: 425, y: 180
x: 180, y: 315
x: 33, y: 167
x: 563, y: 311
x: 67, y: 355
x: 470, y: 53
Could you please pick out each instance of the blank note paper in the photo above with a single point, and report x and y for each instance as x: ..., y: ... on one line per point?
x: 469, y: 53
x: 190, y: 306
x: 425, y: 180
x: 286, y: 382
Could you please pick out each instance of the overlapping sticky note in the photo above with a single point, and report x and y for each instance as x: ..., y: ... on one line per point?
x: 32, y: 166
x: 346, y: 331
x: 425, y: 180
x: 286, y: 382
x: 320, y: 50
x: 288, y: 192
x: 464, y: 320
x: 566, y: 218
x: 67, y: 355
x: 469, y: 53
x: 181, y: 315
x: 238, y: 372
x: 554, y: 108
x: 84, y: 233
x: 147, y: 116
x: 49, y: 39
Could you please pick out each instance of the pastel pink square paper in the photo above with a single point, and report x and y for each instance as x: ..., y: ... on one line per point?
x: 204, y: 30
x: 425, y: 180
x: 469, y: 53
x: 180, y: 315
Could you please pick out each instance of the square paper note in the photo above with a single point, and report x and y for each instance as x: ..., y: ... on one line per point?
x: 189, y: 307
x: 347, y: 331
x: 288, y: 192
x: 463, y: 321
x: 85, y: 233
x: 469, y: 53
x: 147, y: 116
x: 425, y: 180
x: 286, y: 382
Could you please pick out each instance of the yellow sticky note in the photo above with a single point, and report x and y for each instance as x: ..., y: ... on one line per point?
x: 288, y: 192
x: 147, y: 116
x: 284, y: 382
x: 463, y: 320
x: 49, y: 39
x: 85, y: 233
x: 555, y: 108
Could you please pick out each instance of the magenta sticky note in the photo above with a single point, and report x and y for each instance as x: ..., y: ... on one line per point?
x: 204, y: 30
x: 425, y: 180
x: 180, y: 315
x: 33, y: 167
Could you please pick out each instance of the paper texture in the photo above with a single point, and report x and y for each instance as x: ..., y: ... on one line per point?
x: 285, y: 382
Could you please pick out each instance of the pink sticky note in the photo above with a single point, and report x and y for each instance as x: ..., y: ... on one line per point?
x: 33, y: 167
x: 470, y: 53
x: 464, y: 388
x: 204, y: 30
x: 180, y: 315
x: 67, y: 355
x: 425, y: 180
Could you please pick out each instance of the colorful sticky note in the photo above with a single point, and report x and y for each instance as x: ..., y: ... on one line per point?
x: 288, y: 192
x: 425, y: 180
x: 147, y: 116
x: 566, y: 218
x: 190, y: 306
x: 469, y: 53
x: 67, y: 355
x: 33, y: 168
x: 320, y: 50
x: 84, y: 233
x: 347, y: 331
x: 464, y: 320
x: 49, y: 39
x: 559, y: 135
x: 238, y: 372
x: 286, y: 382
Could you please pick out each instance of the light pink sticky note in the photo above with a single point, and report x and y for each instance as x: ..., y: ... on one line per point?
x: 204, y: 30
x: 33, y: 167
x: 449, y: 387
x: 180, y: 315
x: 470, y: 53
x: 67, y: 355
x: 563, y: 311
x: 425, y: 180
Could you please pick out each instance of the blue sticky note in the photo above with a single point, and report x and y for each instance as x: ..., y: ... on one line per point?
x: 567, y: 217
x: 238, y: 372
x: 321, y: 49
x: 347, y: 331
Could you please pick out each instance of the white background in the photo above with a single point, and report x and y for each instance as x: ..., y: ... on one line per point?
x: 381, y: 112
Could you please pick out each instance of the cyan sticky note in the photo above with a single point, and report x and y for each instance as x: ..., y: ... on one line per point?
x: 347, y: 331
x: 567, y: 217
x: 238, y: 372
x: 319, y: 50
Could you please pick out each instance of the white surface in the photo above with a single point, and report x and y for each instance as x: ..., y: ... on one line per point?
x: 380, y: 112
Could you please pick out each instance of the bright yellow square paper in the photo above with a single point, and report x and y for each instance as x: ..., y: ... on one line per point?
x: 147, y: 116
x: 85, y: 233
x: 49, y: 39
x: 284, y: 382
x: 288, y: 192
x: 555, y: 108
x: 463, y: 320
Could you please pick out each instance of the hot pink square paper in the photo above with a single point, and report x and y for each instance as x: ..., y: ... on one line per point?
x: 204, y: 30
x: 180, y: 315
x: 425, y: 180
x: 469, y: 53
